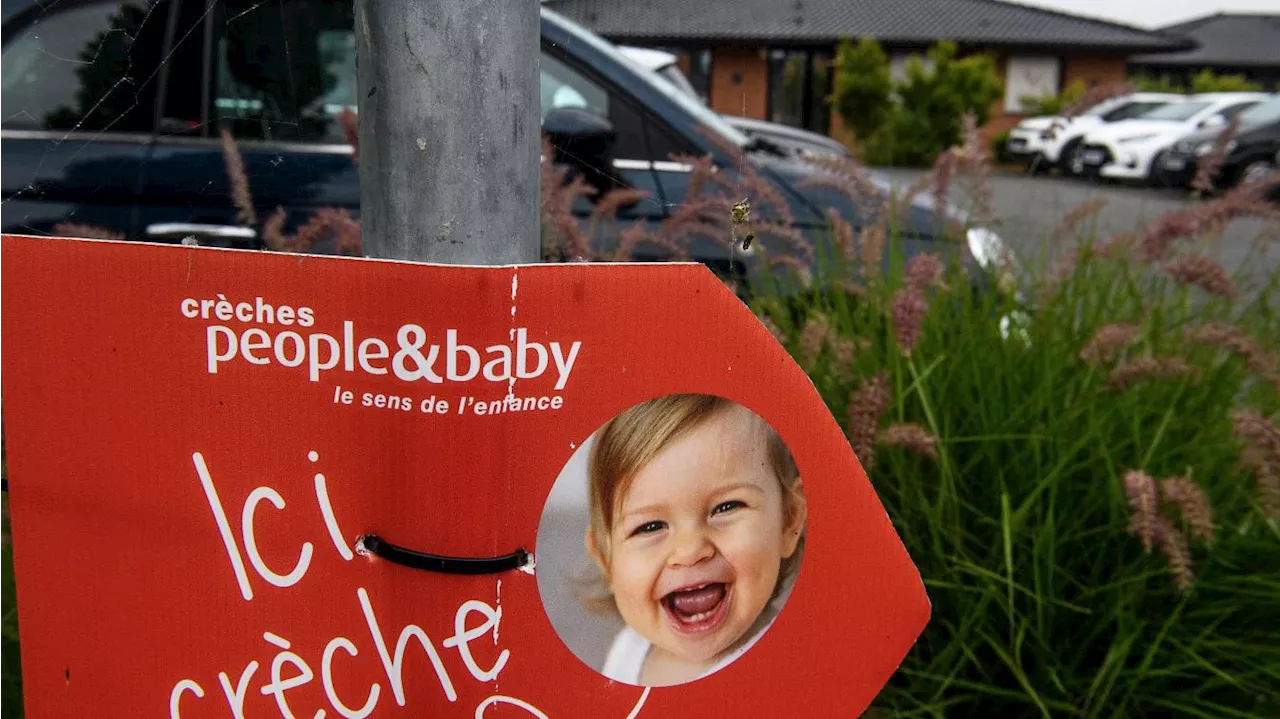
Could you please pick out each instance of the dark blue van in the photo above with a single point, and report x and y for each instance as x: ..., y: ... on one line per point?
x: 112, y: 113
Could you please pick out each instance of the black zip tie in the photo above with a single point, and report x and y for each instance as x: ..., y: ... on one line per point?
x: 445, y: 565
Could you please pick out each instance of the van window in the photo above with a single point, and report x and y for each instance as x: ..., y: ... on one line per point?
x: 562, y: 85
x: 88, y: 66
x: 285, y: 70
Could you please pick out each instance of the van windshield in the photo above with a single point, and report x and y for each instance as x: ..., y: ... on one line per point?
x: 700, y: 112
x: 672, y: 74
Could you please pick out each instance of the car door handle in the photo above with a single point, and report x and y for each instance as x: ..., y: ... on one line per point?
x: 179, y: 230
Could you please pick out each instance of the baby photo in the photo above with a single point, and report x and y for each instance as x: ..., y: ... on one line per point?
x: 689, y: 515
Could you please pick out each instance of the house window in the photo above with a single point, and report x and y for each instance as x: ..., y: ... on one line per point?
x: 1030, y: 77
x: 799, y: 83
x: 285, y: 74
x: 700, y: 72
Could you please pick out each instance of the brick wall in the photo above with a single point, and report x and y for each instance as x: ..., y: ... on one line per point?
x: 1095, y: 69
x: 739, y: 81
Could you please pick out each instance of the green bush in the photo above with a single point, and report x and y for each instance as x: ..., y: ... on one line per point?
x: 1203, y: 81
x: 1144, y: 82
x: 925, y: 115
x: 1000, y: 148
x: 1207, y: 81
x: 1004, y: 460
x: 863, y: 87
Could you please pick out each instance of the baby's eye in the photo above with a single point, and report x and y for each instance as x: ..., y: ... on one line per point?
x: 727, y: 506
x: 648, y: 528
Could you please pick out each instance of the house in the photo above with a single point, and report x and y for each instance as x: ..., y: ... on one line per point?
x: 771, y: 59
x: 1228, y: 43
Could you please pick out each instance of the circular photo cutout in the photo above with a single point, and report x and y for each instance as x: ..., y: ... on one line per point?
x: 671, y: 539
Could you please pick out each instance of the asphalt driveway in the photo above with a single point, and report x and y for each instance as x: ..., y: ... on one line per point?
x: 1030, y: 208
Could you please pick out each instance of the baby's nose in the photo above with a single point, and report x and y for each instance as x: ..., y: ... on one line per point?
x: 690, y: 546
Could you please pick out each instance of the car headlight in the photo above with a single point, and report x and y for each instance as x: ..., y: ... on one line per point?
x: 993, y: 255
x: 1138, y: 138
x: 985, y: 246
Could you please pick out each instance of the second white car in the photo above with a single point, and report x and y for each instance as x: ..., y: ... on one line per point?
x: 1127, y: 150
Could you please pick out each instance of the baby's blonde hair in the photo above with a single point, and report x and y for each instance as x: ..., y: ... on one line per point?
x: 629, y: 441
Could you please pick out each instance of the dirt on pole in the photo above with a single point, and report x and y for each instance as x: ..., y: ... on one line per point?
x: 449, y: 129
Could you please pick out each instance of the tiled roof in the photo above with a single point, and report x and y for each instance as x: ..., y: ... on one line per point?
x: 1225, y: 39
x: 904, y: 21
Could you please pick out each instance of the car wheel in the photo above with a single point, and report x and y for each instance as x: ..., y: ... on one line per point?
x: 1256, y: 170
x: 1068, y: 163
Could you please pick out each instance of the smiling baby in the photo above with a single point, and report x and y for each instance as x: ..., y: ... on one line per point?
x: 697, y: 523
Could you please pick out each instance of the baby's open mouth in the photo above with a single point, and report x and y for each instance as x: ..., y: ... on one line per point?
x: 698, y: 609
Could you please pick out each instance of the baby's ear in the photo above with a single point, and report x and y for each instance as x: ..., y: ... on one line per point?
x: 595, y: 552
x: 797, y: 515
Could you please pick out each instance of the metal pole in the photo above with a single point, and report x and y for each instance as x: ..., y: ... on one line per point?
x: 449, y: 129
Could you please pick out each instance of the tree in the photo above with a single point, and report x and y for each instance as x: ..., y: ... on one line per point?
x: 912, y: 120
x: 863, y: 86
x: 934, y: 98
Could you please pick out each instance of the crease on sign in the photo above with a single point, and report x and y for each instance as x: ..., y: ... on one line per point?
x: 511, y: 337
x: 498, y: 602
x: 527, y: 567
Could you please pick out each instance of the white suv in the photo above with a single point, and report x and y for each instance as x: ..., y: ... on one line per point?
x: 1049, y: 140
x: 1126, y: 150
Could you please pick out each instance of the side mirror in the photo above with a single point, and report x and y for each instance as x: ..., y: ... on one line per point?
x: 585, y: 141
x: 1213, y: 121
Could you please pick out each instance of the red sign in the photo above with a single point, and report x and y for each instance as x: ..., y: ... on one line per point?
x: 198, y: 438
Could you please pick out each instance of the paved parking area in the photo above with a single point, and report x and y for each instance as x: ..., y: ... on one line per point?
x: 1030, y: 207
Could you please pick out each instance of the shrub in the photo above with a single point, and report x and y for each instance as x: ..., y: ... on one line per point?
x: 863, y: 87
x: 933, y: 99
x: 1203, y: 81
x: 1000, y: 148
x: 1207, y: 81
x: 1144, y: 82
x: 922, y: 115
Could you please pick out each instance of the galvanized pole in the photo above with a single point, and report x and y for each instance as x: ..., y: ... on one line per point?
x: 449, y: 129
